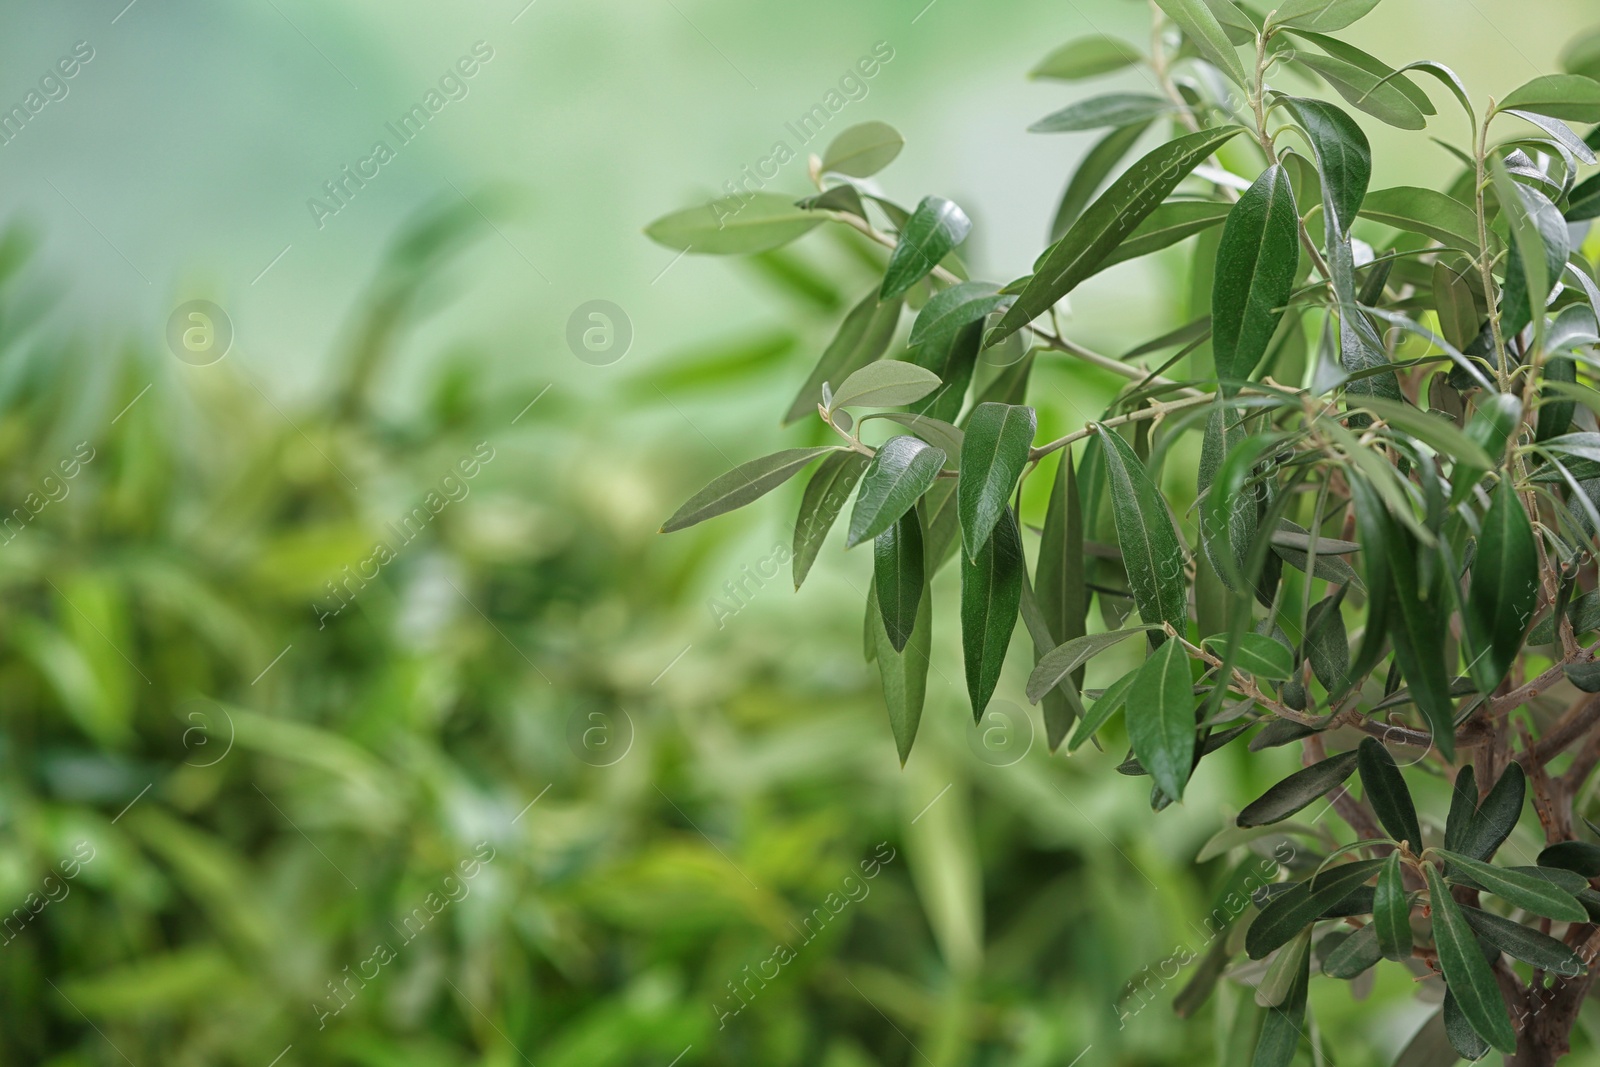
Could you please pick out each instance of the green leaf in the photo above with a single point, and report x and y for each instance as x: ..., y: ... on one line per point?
x: 888, y: 383
x: 1583, y: 202
x: 1366, y: 91
x: 1521, y: 943
x: 1344, y: 155
x: 1086, y: 57
x: 993, y: 453
x: 1571, y: 97
x: 1160, y: 716
x: 1462, y: 1037
x: 897, y: 576
x: 1281, y: 1032
x: 1303, y: 903
x: 863, y: 336
x: 1354, y: 955
x: 1586, y: 676
x: 1327, y: 644
x: 1579, y: 856
x: 1463, y: 806
x: 1465, y: 970
x: 932, y: 232
x: 1435, y: 431
x: 991, y: 592
x: 1098, y: 112
x: 1151, y: 551
x: 1259, y: 655
x: 863, y: 150
x: 1166, y: 226
x: 1298, y: 790
x: 952, y: 308
x: 1284, y: 971
x: 1504, y: 591
x: 1387, y: 793
x: 1202, y: 28
x: 1256, y: 266
x: 1526, y: 891
x: 1496, y: 817
x: 1058, y: 579
x: 1092, y: 171
x: 1070, y: 655
x: 953, y: 357
x: 740, y: 486
x: 1458, y: 311
x: 936, y: 432
x: 1113, y: 698
x: 1424, y: 211
x: 733, y: 225
x: 904, y: 674
x: 1539, y: 249
x: 824, y: 498
x: 902, y: 470
x: 1105, y: 223
x: 1391, y: 912
x: 1324, y: 16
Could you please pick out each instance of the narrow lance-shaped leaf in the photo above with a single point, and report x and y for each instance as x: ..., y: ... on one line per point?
x: 1465, y: 970
x: 863, y: 150
x: 863, y: 336
x: 1291, y: 911
x: 1324, y: 16
x: 1571, y: 97
x: 1298, y: 790
x: 1539, y: 249
x: 888, y: 383
x: 897, y: 575
x: 1160, y: 716
x: 1354, y: 954
x: 1096, y: 166
x: 1070, y: 655
x: 935, y: 228
x: 1504, y: 591
x: 1285, y: 1022
x: 1496, y: 817
x: 1343, y: 153
x: 1104, y: 224
x: 1086, y: 57
x: 1200, y: 25
x: 991, y: 593
x: 1058, y: 580
x: 1099, y: 112
x: 1463, y: 805
x: 1151, y: 552
x: 1269, y: 660
x: 1528, y: 945
x: 734, y: 225
x: 1386, y: 791
x: 1391, y: 911
x: 901, y: 471
x: 904, y: 674
x: 746, y: 482
x: 824, y: 498
x: 1526, y: 891
x: 993, y: 453
x: 1256, y: 266
x: 1459, y: 1032
x: 1366, y: 91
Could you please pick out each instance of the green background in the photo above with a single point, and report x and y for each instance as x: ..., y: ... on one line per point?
x: 267, y: 797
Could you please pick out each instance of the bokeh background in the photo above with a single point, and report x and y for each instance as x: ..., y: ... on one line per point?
x: 526, y: 796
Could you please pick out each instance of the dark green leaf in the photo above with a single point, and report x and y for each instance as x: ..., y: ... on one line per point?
x: 1059, y: 584
x: 1528, y: 892
x: 1257, y: 261
x: 824, y: 498
x: 1165, y: 227
x: 1505, y: 588
x: 1303, y: 903
x: 1391, y: 912
x: 1344, y: 156
x: 953, y: 357
x: 1151, y: 551
x: 1386, y: 791
x: 991, y: 592
x: 1160, y: 716
x: 740, y: 486
x: 1424, y: 211
x: 1586, y: 676
x: 1525, y: 944
x: 1111, y: 218
x: 1465, y: 970
x: 1355, y: 954
x: 1200, y: 25
x: 1463, y: 807
x: 1583, y: 202
x: 1539, y: 249
x: 904, y: 674
x: 1298, y: 790
x: 1562, y: 96
x: 863, y: 337
x: 733, y: 225
x: 1579, y: 856
x: 1113, y: 698
x: 1257, y: 654
x: 932, y: 232
x: 1366, y: 91
x: 897, y: 575
x: 1496, y: 817
x: 1086, y: 57
x: 902, y: 470
x: 936, y: 432
x: 993, y: 453
x: 952, y: 308
x: 1280, y: 1034
x: 863, y: 150
x: 1324, y: 16
x: 1072, y: 654
x: 1462, y: 1037
x: 1327, y: 644
x: 1098, y: 112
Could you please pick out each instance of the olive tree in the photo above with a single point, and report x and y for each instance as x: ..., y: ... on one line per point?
x: 1388, y: 420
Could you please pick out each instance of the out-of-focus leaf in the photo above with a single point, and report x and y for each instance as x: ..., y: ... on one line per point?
x: 1572, y: 97
x: 904, y: 674
x: 1324, y: 16
x: 1303, y: 903
x: 1355, y: 954
x: 863, y: 336
x: 1580, y: 856
x: 1200, y: 25
x: 746, y: 482
x: 1086, y: 57
x: 863, y: 150
x: 734, y: 225
x: 1098, y: 112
